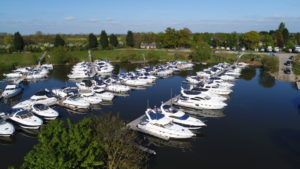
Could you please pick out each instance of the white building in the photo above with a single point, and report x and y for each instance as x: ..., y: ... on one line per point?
x: 297, y: 48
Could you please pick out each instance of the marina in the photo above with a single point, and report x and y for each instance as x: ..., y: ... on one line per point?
x: 129, y: 111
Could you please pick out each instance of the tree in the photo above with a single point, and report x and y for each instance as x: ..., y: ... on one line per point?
x: 92, y: 41
x: 70, y: 147
x: 251, y: 39
x: 170, y: 38
x: 279, y: 39
x: 267, y: 40
x: 285, y: 35
x: 201, y: 51
x: 113, y: 40
x: 59, y: 41
x: 184, y: 38
x: 104, y: 40
x: 98, y: 142
x: 119, y: 145
x: 129, y: 39
x: 18, y: 42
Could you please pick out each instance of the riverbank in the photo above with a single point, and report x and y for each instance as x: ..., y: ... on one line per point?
x: 10, y: 61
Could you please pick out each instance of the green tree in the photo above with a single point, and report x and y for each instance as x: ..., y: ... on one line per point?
x: 290, y: 45
x: 285, y: 35
x: 92, y: 41
x: 70, y: 147
x: 18, y: 42
x: 279, y: 39
x: 130, y: 39
x: 201, y: 52
x: 251, y: 39
x: 113, y: 40
x: 59, y: 41
x: 267, y: 40
x: 119, y: 145
x: 103, y: 40
x: 184, y: 38
x: 170, y: 38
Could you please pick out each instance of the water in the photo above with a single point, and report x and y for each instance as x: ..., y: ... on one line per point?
x: 259, y: 128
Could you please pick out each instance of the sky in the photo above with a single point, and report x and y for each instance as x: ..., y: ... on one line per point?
x: 119, y: 16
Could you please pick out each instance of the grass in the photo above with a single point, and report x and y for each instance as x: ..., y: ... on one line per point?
x: 270, y: 63
x: 296, y: 65
x: 9, y: 61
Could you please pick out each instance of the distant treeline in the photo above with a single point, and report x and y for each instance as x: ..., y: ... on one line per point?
x: 171, y: 38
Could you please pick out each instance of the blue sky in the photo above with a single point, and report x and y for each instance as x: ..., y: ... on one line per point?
x: 118, y: 16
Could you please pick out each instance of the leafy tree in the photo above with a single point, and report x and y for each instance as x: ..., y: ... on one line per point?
x: 59, y: 41
x: 267, y: 40
x: 92, y: 41
x: 118, y: 144
x: 201, y: 52
x: 129, y: 39
x: 71, y: 147
x: 285, y: 35
x: 232, y: 40
x: 184, y: 38
x: 297, y: 38
x: 103, y: 40
x: 113, y: 40
x: 279, y: 39
x: 170, y: 38
x: 18, y: 42
x: 251, y: 39
x: 60, y: 55
x: 290, y: 45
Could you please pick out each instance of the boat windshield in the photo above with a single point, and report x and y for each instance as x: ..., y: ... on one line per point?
x: 23, y: 114
x: 40, y: 107
x: 184, y: 117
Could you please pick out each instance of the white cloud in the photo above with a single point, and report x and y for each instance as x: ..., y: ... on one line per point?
x: 70, y: 18
x: 93, y: 20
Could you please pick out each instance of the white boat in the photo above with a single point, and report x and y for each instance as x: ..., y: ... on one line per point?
x: 36, y: 75
x: 180, y: 117
x: 90, y: 96
x: 77, y: 102
x: 135, y: 82
x: 215, y: 88
x: 160, y: 125
x: 13, y: 75
x: 201, y: 94
x: 200, y: 103
x: 25, y: 119
x: 227, y: 77
x: 6, y: 128
x: 42, y: 97
x: 194, y: 79
x: 117, y: 88
x: 44, y: 111
x: 11, y: 90
x: 105, y: 96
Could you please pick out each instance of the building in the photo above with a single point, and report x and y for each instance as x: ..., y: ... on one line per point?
x: 297, y: 48
x: 148, y: 45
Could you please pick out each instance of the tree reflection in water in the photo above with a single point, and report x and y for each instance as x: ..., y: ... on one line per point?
x: 265, y: 79
x: 248, y: 73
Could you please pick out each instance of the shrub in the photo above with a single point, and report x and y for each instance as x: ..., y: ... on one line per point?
x: 270, y: 63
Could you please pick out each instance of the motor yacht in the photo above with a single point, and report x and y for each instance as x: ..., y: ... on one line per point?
x: 25, y: 119
x: 160, y: 125
x: 200, y: 103
x: 11, y: 90
x: 6, y: 128
x: 180, y: 117
x: 77, y: 102
x: 44, y: 111
x: 41, y: 97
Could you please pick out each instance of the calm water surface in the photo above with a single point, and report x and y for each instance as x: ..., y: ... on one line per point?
x: 260, y: 128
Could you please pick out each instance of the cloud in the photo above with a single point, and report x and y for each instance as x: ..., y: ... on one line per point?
x: 93, y: 20
x: 70, y: 18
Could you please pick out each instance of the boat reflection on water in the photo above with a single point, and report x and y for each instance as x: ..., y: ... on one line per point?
x: 204, y: 113
x: 78, y: 111
x: 32, y: 133
x: 96, y: 106
x: 149, y: 141
x: 13, y: 100
x: 107, y: 103
x: 7, y: 140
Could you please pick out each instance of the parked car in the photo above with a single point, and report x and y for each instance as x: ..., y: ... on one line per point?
x: 287, y: 63
x: 287, y: 71
x: 292, y: 57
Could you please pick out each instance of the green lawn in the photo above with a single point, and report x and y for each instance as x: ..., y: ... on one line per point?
x: 8, y: 61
